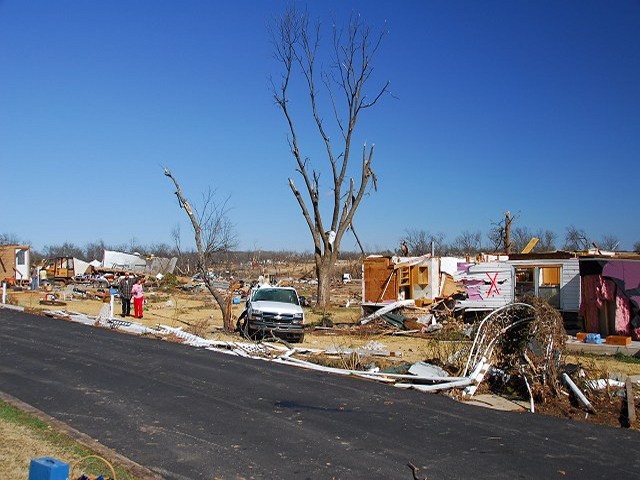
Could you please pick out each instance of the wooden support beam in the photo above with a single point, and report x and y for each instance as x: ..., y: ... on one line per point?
x: 631, y: 402
x: 531, y: 245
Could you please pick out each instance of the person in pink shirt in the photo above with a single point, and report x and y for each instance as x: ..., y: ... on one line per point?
x: 138, y: 298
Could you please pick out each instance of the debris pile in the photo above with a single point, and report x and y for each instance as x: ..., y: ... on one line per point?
x: 523, y: 343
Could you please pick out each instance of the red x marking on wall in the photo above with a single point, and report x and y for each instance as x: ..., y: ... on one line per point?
x: 494, y: 284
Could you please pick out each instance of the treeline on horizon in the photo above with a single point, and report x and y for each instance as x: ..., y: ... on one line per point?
x: 419, y: 242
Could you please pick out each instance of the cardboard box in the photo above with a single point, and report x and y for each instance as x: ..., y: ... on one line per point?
x: 619, y: 340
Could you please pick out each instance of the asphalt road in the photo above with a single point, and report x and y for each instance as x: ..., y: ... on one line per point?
x: 194, y: 414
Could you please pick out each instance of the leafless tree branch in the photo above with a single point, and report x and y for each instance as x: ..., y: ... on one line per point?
x: 213, y: 233
x: 297, y: 43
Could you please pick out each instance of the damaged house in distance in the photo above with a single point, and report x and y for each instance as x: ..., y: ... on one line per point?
x: 15, y: 261
x: 595, y: 290
x: 120, y: 262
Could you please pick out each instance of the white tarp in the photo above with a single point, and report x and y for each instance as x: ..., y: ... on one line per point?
x: 134, y: 263
x: 80, y: 267
x: 449, y: 265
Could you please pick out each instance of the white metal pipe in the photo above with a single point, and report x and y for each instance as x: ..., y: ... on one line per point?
x: 111, y: 301
x: 436, y: 386
x: 574, y: 388
x: 532, y: 407
x: 363, y: 373
x: 4, y: 292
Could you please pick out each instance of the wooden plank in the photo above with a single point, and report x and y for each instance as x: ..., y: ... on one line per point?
x: 531, y: 245
x: 631, y: 402
x: 619, y: 340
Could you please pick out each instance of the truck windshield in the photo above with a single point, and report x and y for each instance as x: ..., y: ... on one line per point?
x: 276, y: 295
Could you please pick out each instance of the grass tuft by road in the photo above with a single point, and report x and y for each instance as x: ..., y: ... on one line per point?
x: 24, y: 437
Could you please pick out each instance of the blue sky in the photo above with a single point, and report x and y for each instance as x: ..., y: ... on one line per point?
x: 532, y: 107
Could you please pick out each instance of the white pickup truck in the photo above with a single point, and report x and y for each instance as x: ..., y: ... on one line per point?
x: 276, y: 310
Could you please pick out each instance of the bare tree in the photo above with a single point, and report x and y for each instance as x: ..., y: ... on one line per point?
x: 547, y: 241
x: 67, y: 249
x: 636, y: 247
x: 496, y: 236
x: 520, y: 237
x: 467, y: 243
x: 183, y: 265
x: 575, y: 239
x: 214, y: 233
x: 95, y: 250
x: 420, y: 241
x: 609, y: 242
x: 296, y: 46
x: 9, y: 239
x: 500, y: 234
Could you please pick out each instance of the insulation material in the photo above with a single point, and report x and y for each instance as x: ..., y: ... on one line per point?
x: 449, y: 265
x: 609, y: 280
x: 623, y: 315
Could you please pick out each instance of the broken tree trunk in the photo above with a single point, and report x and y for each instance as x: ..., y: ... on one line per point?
x: 204, y: 250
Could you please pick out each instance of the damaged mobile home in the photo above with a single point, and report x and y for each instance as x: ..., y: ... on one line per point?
x: 113, y: 261
x: 426, y: 279
x: 15, y: 261
x: 596, y: 291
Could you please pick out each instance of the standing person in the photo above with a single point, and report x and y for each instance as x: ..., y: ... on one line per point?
x: 42, y: 275
x: 124, y: 285
x: 138, y: 297
x: 35, y: 277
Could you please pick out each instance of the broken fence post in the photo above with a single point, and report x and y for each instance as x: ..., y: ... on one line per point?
x: 631, y: 402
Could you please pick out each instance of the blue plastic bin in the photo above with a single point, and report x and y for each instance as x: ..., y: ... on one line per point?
x: 48, y: 468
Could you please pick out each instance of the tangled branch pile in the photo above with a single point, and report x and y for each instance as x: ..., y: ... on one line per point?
x: 524, y: 343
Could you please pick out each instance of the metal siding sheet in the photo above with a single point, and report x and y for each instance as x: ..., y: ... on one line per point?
x: 479, y: 272
x: 570, y: 286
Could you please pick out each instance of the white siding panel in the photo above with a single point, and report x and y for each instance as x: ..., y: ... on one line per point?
x: 570, y: 287
x: 484, y: 273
